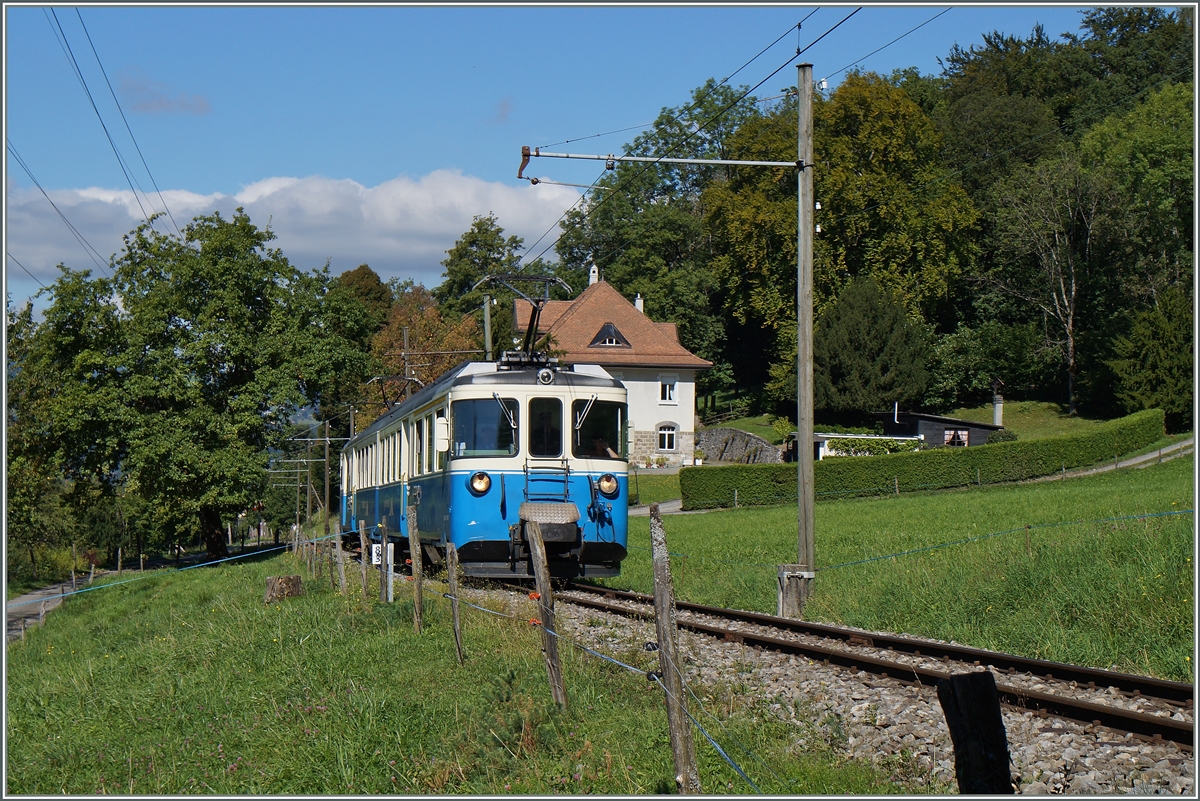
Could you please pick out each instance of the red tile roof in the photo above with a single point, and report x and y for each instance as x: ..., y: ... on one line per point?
x: 574, y: 325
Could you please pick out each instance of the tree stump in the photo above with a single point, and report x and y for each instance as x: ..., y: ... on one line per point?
x: 282, y: 587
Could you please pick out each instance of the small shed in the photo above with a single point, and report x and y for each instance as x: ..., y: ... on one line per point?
x: 936, y: 430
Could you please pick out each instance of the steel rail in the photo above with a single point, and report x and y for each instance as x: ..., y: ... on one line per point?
x: 1147, y: 726
x: 1162, y: 689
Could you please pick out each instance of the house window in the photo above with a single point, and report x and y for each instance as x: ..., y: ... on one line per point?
x: 666, y: 437
x: 956, y: 437
x: 666, y: 389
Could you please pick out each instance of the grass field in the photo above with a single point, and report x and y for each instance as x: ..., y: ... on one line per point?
x: 1102, y: 592
x: 1029, y: 419
x: 186, y: 683
x: 652, y: 487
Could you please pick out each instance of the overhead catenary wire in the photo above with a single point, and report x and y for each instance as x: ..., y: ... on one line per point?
x: 83, y: 82
x: 695, y: 103
x: 709, y: 121
x: 103, y: 72
x: 23, y: 267
x: 91, y: 252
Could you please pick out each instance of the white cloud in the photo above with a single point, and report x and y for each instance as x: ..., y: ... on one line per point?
x: 402, y: 227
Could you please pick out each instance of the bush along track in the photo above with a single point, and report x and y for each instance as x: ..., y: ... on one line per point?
x: 939, y: 468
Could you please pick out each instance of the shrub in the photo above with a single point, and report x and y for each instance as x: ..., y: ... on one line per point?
x: 711, y: 487
x: 871, y: 447
x: 1001, y: 435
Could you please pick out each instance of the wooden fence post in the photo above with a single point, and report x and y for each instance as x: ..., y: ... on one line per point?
x: 74, y: 586
x: 452, y: 569
x: 414, y: 555
x: 119, y: 560
x: 687, y: 776
x: 383, y: 562
x: 541, y: 573
x: 341, y: 561
x: 328, y: 548
x: 92, y: 574
x: 972, y: 709
x: 391, y: 571
x: 366, y: 555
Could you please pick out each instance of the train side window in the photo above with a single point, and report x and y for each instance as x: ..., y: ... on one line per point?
x: 545, y: 427
x: 429, y: 443
x: 419, y: 451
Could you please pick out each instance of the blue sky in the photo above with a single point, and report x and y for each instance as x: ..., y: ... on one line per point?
x: 374, y: 134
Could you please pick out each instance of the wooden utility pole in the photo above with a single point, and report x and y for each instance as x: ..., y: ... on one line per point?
x: 687, y: 776
x: 452, y: 569
x: 794, y: 579
x: 414, y: 553
x: 545, y: 600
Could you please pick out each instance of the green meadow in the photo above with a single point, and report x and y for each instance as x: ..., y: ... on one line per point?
x: 1091, y: 581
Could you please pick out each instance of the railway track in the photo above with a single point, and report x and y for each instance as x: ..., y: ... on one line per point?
x: 1150, y: 709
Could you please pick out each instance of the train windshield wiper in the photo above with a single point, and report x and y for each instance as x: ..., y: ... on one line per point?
x: 583, y: 415
x: 507, y: 412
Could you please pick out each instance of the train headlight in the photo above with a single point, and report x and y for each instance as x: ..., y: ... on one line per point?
x: 608, y: 485
x: 480, y: 483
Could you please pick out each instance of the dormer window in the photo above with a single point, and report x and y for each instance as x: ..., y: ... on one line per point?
x: 609, y: 337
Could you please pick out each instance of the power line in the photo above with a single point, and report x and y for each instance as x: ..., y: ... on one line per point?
x: 87, y: 246
x: 79, y: 74
x: 127, y: 128
x: 722, y: 82
x: 708, y: 122
x: 675, y: 119
x: 884, y: 47
x: 22, y: 266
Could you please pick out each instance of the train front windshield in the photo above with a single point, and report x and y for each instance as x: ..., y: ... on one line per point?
x: 485, y: 427
x: 599, y: 429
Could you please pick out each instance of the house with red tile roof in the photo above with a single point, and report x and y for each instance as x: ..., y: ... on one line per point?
x: 602, y: 327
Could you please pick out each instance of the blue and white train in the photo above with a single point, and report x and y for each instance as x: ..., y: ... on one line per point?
x: 489, y: 447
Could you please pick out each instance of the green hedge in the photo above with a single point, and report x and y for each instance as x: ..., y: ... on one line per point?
x: 937, y: 468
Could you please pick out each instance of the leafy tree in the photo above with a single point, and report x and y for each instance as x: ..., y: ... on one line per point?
x: 868, y: 353
x: 1148, y: 154
x: 179, y: 373
x: 644, y: 229
x: 481, y: 251
x: 435, y: 344
x: 1153, y: 361
x: 369, y: 290
x: 1053, y: 222
x: 889, y: 210
x: 963, y: 364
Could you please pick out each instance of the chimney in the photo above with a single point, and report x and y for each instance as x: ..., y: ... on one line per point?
x: 637, y: 303
x: 997, y: 403
x: 593, y: 275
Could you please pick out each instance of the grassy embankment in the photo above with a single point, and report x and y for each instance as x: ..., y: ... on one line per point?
x: 186, y: 682
x: 1102, y: 592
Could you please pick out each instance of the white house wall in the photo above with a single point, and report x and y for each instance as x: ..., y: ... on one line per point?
x: 647, y: 412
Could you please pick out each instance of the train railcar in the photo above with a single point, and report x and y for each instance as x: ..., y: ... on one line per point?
x: 488, y: 448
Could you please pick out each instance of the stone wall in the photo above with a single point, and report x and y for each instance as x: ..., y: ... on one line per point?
x: 737, y: 446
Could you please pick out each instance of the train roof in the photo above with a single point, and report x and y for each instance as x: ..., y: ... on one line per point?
x: 488, y: 374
